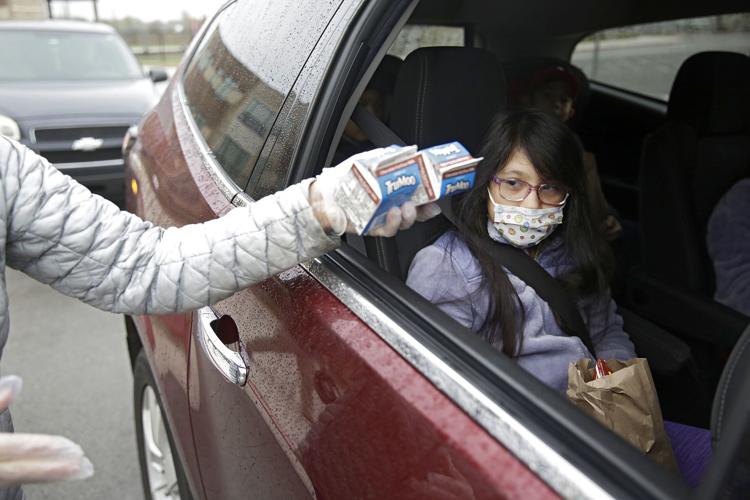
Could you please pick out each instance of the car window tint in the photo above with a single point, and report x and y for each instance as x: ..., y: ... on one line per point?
x: 415, y: 36
x: 645, y: 58
x: 243, y: 70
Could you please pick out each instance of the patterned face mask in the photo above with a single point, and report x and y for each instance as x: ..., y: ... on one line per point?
x: 525, y: 227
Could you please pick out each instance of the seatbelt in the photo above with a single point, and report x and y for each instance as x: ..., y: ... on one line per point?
x: 547, y: 287
x: 514, y: 259
x: 378, y: 132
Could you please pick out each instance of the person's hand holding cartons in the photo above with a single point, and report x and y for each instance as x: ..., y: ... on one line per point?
x: 371, y: 184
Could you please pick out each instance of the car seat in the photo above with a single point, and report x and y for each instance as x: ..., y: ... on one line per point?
x: 386, y: 75
x: 687, y: 165
x: 690, y: 162
x: 447, y: 94
x: 730, y: 429
x: 442, y: 94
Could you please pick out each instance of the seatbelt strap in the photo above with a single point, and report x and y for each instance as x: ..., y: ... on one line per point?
x: 514, y: 259
x: 377, y: 131
x: 547, y: 287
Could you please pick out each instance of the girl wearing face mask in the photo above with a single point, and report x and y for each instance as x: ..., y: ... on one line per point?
x: 530, y: 192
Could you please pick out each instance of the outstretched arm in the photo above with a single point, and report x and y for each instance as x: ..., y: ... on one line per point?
x: 85, y: 247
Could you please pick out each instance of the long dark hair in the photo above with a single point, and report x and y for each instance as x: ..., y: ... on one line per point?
x: 557, y: 156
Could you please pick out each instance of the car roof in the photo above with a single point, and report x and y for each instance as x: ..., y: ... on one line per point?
x: 57, y: 25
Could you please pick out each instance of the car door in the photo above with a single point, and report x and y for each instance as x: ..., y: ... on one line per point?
x: 233, y: 91
x: 328, y: 407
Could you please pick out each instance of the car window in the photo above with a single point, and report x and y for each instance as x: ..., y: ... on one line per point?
x: 65, y: 55
x: 644, y: 58
x: 242, y: 72
x: 414, y: 36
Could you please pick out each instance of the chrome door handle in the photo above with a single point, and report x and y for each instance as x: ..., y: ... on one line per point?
x: 232, y: 365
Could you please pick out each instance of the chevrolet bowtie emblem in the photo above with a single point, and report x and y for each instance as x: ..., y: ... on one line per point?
x: 87, y: 144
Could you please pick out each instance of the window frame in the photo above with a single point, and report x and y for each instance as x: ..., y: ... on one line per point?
x: 224, y: 182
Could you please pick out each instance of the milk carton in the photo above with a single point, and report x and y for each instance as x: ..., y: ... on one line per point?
x: 454, y: 167
x: 386, y: 177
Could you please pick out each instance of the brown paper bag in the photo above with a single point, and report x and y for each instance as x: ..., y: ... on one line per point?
x: 625, y: 402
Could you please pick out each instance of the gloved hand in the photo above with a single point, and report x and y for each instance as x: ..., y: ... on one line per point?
x: 36, y: 458
x: 333, y: 218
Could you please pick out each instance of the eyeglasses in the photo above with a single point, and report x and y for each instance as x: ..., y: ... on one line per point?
x: 518, y: 190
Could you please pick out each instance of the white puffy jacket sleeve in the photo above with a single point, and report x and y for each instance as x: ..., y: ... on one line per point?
x: 85, y: 247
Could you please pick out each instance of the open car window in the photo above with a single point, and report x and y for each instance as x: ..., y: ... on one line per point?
x: 366, y: 261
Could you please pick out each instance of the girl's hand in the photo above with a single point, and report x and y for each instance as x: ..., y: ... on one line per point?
x: 612, y: 228
x: 36, y: 458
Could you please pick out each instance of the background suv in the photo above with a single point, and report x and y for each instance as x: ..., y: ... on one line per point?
x: 69, y: 91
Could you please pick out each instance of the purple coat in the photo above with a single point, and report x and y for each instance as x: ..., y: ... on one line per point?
x: 448, y: 275
x: 729, y: 247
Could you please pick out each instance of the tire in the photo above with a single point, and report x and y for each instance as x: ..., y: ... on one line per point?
x: 162, y: 474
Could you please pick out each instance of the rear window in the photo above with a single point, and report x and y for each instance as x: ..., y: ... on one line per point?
x: 243, y: 70
x: 645, y: 58
x: 415, y: 36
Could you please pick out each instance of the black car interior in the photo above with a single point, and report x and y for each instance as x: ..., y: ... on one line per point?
x: 664, y: 166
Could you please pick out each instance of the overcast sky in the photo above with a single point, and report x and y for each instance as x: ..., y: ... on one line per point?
x: 148, y: 10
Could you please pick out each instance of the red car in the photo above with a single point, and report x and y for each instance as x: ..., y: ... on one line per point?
x: 333, y: 379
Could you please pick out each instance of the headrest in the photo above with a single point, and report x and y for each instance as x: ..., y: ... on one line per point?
x: 711, y: 93
x: 446, y: 94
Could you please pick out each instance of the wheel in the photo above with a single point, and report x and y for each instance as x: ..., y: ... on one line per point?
x: 162, y: 474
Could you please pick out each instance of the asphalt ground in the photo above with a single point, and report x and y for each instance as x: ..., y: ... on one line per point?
x: 77, y: 382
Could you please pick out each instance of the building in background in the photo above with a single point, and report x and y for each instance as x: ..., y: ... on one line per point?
x: 24, y: 9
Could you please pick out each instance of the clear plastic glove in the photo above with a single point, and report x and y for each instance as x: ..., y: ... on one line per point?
x: 333, y: 218
x: 36, y: 458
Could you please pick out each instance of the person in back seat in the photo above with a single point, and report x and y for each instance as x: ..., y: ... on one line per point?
x: 555, y: 89
x: 531, y: 193
x: 728, y: 241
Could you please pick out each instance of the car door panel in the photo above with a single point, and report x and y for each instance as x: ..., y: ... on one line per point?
x: 356, y: 418
x: 239, y: 454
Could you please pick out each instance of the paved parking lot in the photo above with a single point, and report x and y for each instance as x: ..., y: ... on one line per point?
x: 77, y: 383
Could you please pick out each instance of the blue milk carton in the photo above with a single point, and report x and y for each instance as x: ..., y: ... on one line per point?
x: 454, y: 167
x: 388, y: 177
x: 376, y: 181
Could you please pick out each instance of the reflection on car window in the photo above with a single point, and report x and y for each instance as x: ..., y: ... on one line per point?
x: 645, y: 58
x: 414, y: 36
x: 241, y: 74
